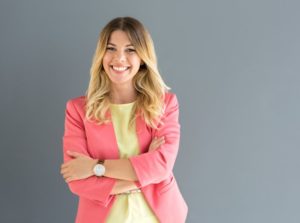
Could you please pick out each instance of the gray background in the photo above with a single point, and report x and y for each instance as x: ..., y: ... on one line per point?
x: 234, y: 66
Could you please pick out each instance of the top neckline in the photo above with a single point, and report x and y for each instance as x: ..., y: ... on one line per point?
x: 123, y: 105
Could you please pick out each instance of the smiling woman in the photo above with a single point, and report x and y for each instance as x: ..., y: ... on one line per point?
x: 121, y: 62
x: 121, y: 139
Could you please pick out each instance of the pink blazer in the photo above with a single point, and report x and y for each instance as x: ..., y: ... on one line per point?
x: 153, y: 169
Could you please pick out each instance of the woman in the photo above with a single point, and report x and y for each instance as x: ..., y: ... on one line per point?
x: 121, y: 139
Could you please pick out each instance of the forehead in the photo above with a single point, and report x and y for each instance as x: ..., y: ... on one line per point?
x: 119, y: 37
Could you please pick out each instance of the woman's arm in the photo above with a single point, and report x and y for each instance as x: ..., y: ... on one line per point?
x: 92, y: 188
x: 122, y: 168
x: 119, y: 169
x: 81, y: 166
x: 122, y: 186
x: 155, y: 166
x: 77, y: 166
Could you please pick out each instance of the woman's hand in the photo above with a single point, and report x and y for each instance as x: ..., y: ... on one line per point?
x: 156, y: 142
x: 122, y: 186
x: 80, y: 167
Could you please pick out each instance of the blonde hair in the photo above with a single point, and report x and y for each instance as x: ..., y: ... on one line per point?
x: 148, y: 83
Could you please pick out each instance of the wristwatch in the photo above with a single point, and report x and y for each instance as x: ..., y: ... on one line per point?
x: 99, y: 168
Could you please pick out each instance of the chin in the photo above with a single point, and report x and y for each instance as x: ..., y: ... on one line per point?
x: 124, y: 81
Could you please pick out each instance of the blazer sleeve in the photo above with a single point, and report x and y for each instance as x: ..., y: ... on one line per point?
x: 155, y: 166
x: 93, y: 188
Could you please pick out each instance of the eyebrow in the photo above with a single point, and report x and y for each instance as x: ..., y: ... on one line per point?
x: 115, y: 44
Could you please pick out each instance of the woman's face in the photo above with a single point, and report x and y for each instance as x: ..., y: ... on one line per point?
x: 120, y: 60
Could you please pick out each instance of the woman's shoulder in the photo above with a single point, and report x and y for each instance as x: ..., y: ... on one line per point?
x: 77, y: 100
x: 80, y: 101
x: 170, y: 96
x: 170, y: 99
x: 77, y: 103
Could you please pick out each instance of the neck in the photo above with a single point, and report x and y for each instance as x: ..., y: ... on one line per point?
x: 122, y: 94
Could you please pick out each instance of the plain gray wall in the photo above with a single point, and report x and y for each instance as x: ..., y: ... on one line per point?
x: 234, y: 66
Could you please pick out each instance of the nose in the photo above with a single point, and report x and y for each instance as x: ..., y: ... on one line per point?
x: 120, y: 56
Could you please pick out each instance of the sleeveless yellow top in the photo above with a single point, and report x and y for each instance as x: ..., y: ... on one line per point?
x: 128, y: 208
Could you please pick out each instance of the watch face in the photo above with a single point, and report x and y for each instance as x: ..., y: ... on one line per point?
x: 99, y: 170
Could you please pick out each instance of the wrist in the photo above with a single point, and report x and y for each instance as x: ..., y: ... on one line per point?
x: 98, y: 167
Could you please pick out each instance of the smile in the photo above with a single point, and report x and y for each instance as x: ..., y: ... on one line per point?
x: 119, y: 68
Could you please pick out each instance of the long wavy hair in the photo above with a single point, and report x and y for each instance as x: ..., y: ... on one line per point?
x: 148, y: 82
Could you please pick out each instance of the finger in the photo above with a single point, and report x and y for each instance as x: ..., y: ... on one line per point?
x: 158, y: 144
x: 69, y: 179
x: 160, y: 141
x: 63, y: 171
x: 64, y: 166
x: 155, y: 138
x: 162, y: 138
x: 66, y: 174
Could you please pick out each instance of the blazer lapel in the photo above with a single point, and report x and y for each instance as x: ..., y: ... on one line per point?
x: 143, y: 133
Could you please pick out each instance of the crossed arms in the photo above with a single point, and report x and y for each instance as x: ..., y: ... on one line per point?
x: 121, y: 174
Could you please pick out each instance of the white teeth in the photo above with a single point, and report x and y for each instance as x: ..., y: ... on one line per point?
x: 120, y: 68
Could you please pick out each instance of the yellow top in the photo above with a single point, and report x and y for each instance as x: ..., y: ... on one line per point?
x: 128, y: 208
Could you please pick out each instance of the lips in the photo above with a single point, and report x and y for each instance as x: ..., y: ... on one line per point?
x: 119, y: 68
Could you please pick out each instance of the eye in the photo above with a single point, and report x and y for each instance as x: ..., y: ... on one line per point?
x: 130, y: 50
x: 110, y: 48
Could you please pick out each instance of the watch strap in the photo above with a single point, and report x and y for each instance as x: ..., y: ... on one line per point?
x: 100, y: 162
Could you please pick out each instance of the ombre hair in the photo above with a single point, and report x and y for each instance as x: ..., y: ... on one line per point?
x: 148, y: 82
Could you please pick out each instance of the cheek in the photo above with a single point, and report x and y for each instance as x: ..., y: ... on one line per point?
x: 105, y: 58
x: 106, y: 61
x: 136, y: 62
